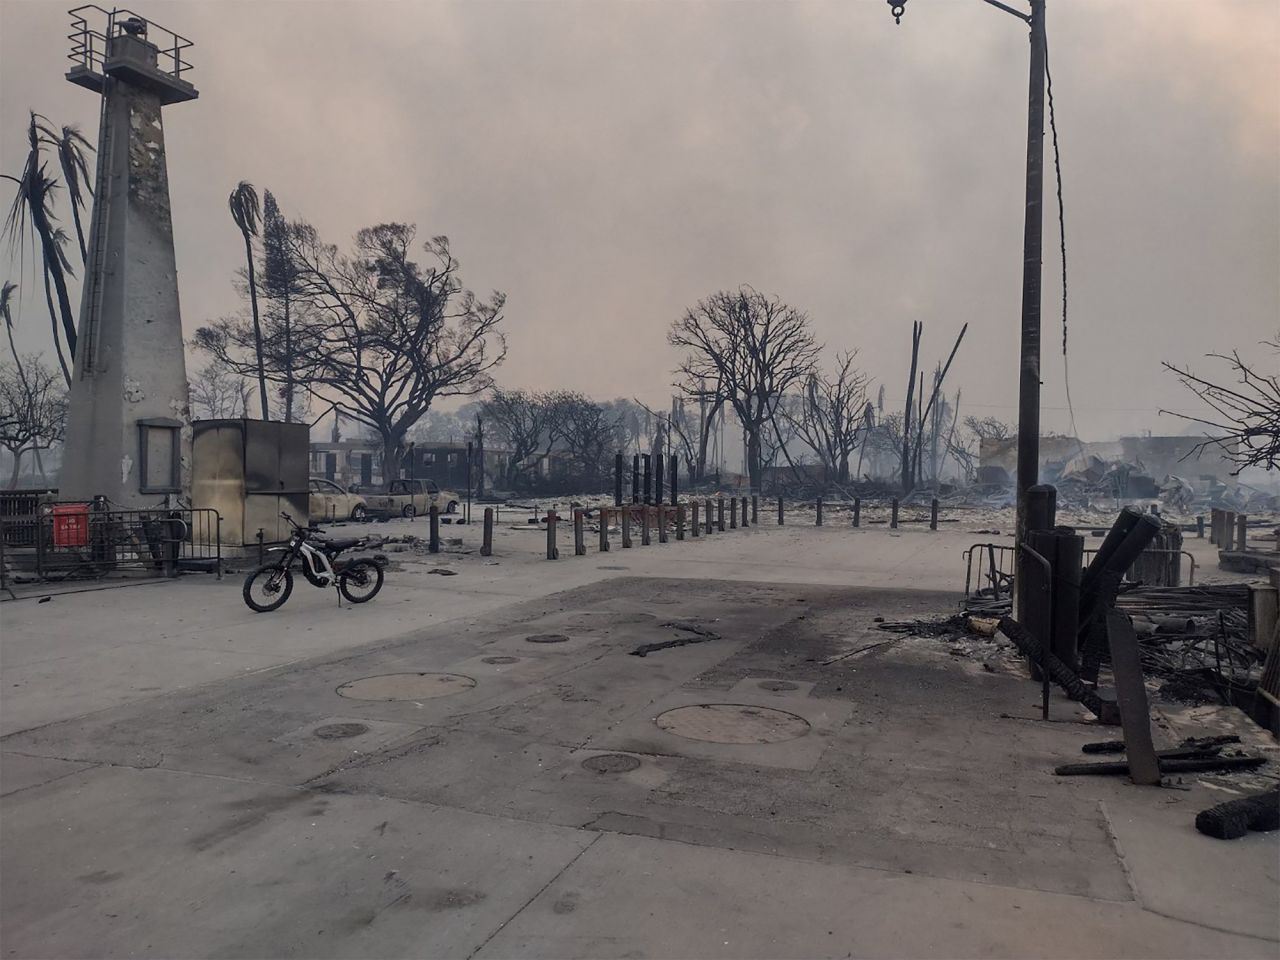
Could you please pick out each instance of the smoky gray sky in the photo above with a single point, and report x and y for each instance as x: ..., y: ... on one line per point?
x: 608, y: 163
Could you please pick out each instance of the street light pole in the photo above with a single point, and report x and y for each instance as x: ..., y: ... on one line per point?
x: 1029, y: 362
x: 1029, y: 367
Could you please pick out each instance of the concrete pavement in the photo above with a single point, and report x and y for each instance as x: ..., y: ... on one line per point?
x: 851, y: 797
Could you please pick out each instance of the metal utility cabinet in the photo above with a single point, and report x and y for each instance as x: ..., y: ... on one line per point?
x: 250, y: 471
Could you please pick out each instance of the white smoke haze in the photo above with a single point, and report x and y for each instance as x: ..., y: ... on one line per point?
x: 606, y: 164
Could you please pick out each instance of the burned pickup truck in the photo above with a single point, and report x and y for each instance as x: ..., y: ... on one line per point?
x: 408, y: 498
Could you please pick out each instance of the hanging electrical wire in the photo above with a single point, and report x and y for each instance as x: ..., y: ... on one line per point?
x: 1062, y: 244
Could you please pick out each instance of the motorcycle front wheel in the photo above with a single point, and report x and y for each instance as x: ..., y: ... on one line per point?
x: 267, y: 588
x: 360, y: 581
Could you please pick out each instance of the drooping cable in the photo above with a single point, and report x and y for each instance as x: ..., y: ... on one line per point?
x: 1062, y: 243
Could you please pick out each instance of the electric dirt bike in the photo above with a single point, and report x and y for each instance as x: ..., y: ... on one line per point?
x: 359, y: 580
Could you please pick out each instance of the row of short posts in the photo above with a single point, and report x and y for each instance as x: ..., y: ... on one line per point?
x: 655, y: 467
x: 705, y: 517
x: 696, y: 519
x: 818, y: 513
x: 1228, y: 530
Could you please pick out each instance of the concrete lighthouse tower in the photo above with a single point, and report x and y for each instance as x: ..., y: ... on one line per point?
x: 128, y: 424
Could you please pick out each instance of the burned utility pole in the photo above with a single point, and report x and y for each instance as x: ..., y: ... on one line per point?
x: 1029, y: 363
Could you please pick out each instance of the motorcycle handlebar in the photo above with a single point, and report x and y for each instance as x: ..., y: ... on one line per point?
x: 297, y: 526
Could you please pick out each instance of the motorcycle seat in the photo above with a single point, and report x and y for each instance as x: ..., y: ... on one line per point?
x: 344, y: 544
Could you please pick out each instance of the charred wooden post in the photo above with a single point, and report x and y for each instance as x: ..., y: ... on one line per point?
x: 1215, y: 526
x: 1200, y: 527
x: 694, y: 523
x: 579, y: 541
x: 646, y: 459
x: 733, y: 513
x: 755, y: 510
x: 1160, y: 565
x: 746, y: 522
x: 486, y: 546
x: 635, y: 478
x: 626, y: 527
x: 675, y: 469
x: 1228, y: 541
x: 433, y: 543
x: 659, y: 479
x: 933, y: 514
x: 893, y: 514
x: 680, y: 522
x: 1042, y: 507
x: 857, y: 511
x: 1123, y: 526
x: 1039, y: 515
x: 1035, y: 584
x: 644, y: 525
x: 781, y: 519
x: 604, y: 531
x: 817, y: 513
x: 1101, y: 583
x: 617, y: 479
x: 552, y: 552
x: 1068, y: 563
x: 720, y: 514
x: 1131, y: 695
x: 1242, y: 535
x: 662, y: 522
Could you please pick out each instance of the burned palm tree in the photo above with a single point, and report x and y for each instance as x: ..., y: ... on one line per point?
x: 72, y: 150
x: 247, y: 214
x: 6, y: 296
x: 31, y: 214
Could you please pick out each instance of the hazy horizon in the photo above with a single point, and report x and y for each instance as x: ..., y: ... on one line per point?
x: 608, y: 164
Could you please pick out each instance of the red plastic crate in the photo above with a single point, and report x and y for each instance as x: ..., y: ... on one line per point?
x: 70, y: 524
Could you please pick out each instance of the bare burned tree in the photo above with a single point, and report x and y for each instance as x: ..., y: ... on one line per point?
x: 755, y: 347
x: 386, y: 335
x: 217, y: 393
x: 589, y: 433
x: 1245, y: 422
x: 988, y: 428
x: 523, y: 422
x: 33, y: 410
x: 832, y: 415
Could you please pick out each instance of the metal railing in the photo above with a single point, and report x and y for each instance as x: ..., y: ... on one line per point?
x: 989, y: 569
x: 1155, y: 552
x: 89, y: 39
x: 993, y: 575
x: 103, y: 542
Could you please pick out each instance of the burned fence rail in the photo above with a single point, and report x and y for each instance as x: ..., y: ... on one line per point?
x: 989, y: 571
x: 70, y: 541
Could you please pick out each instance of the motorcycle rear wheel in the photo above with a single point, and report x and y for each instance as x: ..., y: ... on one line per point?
x: 360, y: 581
x: 272, y: 583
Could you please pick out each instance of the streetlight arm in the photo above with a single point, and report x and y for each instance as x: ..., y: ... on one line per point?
x: 1025, y: 17
x: 897, y: 7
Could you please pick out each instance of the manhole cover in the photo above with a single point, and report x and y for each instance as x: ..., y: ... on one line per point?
x: 547, y: 638
x: 340, y: 731
x: 732, y: 723
x: 777, y: 686
x: 610, y: 763
x: 500, y: 660
x: 405, y: 686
